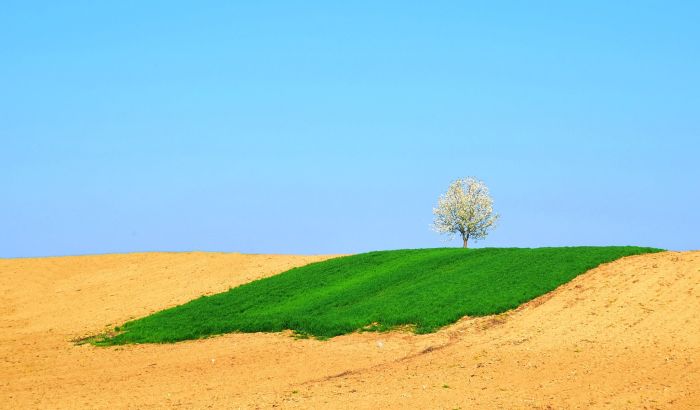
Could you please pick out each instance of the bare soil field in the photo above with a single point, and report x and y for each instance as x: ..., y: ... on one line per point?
x: 624, y: 335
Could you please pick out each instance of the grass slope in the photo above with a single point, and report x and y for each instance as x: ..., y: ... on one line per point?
x: 427, y: 288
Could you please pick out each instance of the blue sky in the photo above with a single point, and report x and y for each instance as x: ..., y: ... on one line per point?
x: 332, y: 127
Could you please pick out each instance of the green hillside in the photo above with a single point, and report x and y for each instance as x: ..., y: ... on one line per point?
x: 427, y: 288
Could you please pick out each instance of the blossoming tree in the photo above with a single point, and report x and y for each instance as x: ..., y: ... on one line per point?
x: 466, y: 208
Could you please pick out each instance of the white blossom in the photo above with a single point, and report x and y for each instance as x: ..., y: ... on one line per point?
x: 466, y: 208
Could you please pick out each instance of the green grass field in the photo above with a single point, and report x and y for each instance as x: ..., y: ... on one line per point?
x: 424, y: 288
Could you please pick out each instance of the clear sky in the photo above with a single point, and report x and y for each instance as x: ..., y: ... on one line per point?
x: 329, y: 127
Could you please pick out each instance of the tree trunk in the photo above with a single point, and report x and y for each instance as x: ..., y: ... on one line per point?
x: 466, y: 240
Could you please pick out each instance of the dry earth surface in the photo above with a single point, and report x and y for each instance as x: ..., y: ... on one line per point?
x: 624, y: 335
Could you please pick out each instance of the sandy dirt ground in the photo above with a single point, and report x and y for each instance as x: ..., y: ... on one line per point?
x: 624, y: 335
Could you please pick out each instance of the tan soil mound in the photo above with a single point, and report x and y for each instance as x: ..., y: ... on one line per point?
x: 624, y: 335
